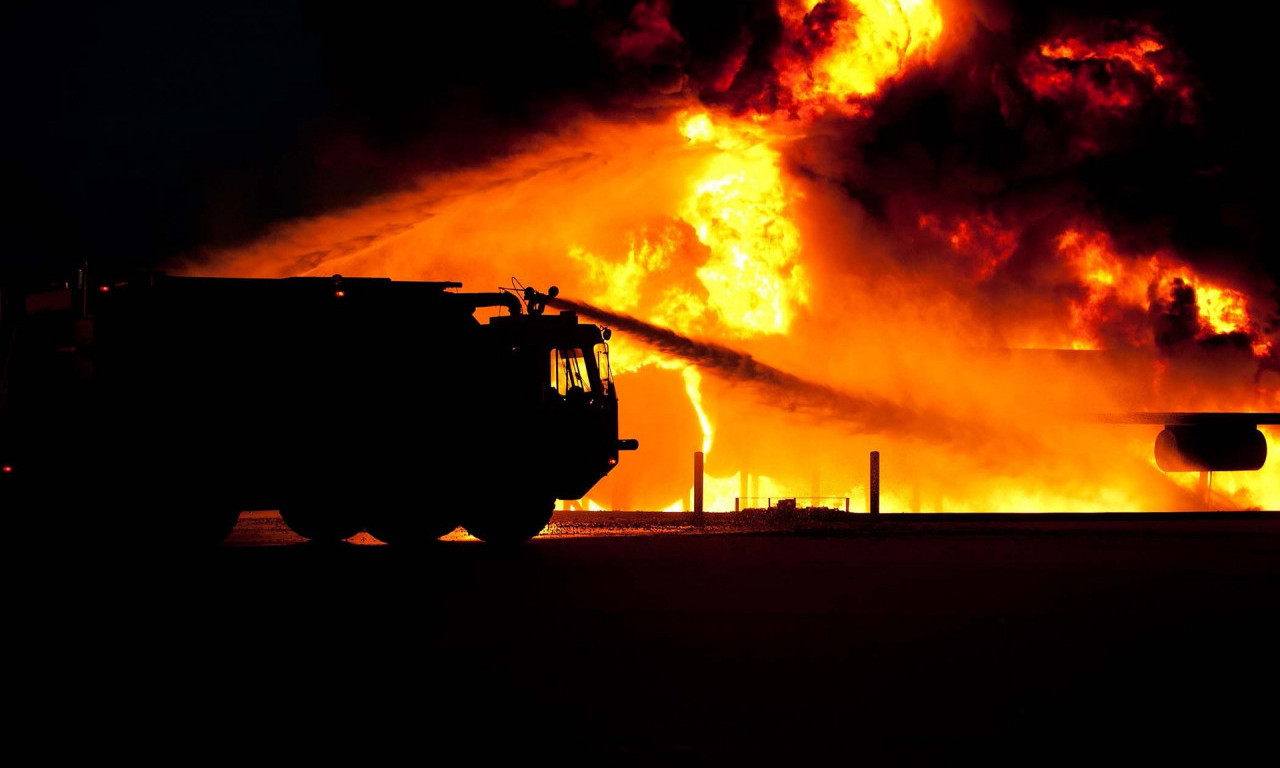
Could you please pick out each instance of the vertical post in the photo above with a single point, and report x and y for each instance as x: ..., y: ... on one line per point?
x: 873, y: 503
x: 846, y: 503
x: 737, y: 503
x: 742, y: 489
x: 1206, y: 482
x: 697, y: 482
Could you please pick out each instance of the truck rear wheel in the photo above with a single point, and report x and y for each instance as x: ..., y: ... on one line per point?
x: 513, y: 522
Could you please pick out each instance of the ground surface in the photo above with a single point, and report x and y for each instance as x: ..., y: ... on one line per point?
x: 903, y: 640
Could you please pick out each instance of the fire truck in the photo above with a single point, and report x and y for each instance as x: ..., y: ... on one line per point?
x: 169, y: 403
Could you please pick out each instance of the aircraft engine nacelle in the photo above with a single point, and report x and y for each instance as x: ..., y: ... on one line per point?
x: 1218, y: 448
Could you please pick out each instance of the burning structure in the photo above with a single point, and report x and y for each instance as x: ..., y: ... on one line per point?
x: 945, y: 231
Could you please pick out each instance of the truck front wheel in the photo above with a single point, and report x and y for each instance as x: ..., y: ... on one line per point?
x: 517, y: 520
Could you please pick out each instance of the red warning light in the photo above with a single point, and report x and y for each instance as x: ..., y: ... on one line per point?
x: 339, y: 294
x: 104, y: 288
x: 6, y: 468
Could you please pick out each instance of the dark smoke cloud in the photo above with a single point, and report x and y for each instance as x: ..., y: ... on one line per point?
x: 1177, y: 318
x: 650, y: 45
x: 144, y: 132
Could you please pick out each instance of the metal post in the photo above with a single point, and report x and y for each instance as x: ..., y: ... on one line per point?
x: 737, y: 503
x: 873, y: 504
x: 697, y: 482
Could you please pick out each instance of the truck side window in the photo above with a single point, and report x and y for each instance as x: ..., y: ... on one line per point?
x: 602, y: 365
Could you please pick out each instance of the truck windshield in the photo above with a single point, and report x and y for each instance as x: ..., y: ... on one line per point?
x: 570, y: 372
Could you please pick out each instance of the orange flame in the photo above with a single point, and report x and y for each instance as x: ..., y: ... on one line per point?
x: 736, y: 207
x: 751, y: 280
x: 837, y: 52
x: 739, y: 209
x: 1115, y: 283
x: 1223, y: 310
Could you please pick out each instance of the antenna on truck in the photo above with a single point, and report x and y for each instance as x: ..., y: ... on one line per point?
x: 517, y: 288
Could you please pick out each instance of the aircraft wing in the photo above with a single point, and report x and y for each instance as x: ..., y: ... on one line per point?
x: 1191, y: 418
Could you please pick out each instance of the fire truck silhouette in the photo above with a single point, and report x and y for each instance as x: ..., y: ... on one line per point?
x: 348, y: 404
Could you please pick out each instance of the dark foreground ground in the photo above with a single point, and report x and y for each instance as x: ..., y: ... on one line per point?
x: 896, y: 641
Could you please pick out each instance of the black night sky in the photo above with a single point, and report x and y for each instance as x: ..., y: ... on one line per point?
x: 141, y: 132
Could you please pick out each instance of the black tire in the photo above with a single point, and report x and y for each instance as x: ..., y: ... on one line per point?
x: 515, y: 522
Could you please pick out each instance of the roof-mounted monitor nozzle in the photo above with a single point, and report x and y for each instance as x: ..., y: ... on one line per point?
x: 537, y: 302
